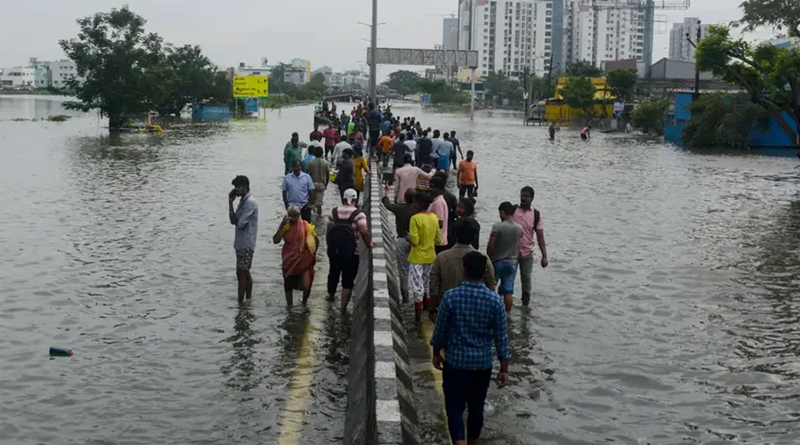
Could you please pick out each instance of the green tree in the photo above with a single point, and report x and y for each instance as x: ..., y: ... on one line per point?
x: 770, y: 75
x: 190, y: 79
x: 780, y: 14
x: 117, y: 61
x: 499, y: 86
x: 583, y: 68
x: 623, y: 84
x: 724, y: 120
x: 442, y: 92
x: 404, y: 82
x: 648, y: 117
x: 579, y: 94
x: 276, y: 83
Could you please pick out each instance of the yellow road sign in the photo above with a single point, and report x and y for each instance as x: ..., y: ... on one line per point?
x: 250, y: 86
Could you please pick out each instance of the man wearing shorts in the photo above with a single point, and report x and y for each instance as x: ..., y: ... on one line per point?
x: 502, y: 249
x: 245, y: 219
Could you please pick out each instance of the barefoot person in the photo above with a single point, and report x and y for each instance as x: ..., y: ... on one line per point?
x: 471, y: 323
x: 245, y: 218
x: 345, y: 225
x: 299, y: 246
x: 424, y: 235
x: 503, y: 249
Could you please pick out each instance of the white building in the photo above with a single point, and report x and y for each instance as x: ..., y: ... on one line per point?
x: 602, y: 30
x: 61, y: 72
x: 679, y: 46
x: 298, y: 72
x: 18, y: 77
x: 509, y: 35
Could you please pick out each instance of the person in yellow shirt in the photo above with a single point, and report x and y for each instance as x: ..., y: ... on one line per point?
x: 360, y: 165
x: 423, y: 234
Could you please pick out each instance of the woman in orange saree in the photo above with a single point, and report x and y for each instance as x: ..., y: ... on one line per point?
x: 299, y: 249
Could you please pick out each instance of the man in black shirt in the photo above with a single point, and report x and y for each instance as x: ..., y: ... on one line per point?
x: 424, y: 148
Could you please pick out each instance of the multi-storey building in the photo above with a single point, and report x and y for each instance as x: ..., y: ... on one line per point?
x: 679, y: 46
x: 603, y: 30
x: 509, y: 35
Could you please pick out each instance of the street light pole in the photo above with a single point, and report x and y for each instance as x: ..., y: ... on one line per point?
x: 373, y: 71
x: 694, y: 44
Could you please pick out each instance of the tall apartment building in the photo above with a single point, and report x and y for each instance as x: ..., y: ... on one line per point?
x: 509, y: 35
x: 602, y: 30
x: 450, y: 33
x: 679, y: 47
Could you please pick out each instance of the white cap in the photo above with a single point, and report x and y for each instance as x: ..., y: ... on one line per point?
x: 350, y: 196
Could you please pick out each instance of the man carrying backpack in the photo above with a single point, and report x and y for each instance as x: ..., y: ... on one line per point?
x: 531, y: 222
x: 344, y: 225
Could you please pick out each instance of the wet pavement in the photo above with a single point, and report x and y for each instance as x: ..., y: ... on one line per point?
x: 670, y: 312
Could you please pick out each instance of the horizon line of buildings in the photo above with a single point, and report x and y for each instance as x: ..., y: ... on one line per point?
x: 545, y: 36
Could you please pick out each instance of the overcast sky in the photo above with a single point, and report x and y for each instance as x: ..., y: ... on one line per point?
x: 232, y: 31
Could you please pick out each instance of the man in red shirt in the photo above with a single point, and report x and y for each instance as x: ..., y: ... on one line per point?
x: 315, y: 135
x: 332, y: 138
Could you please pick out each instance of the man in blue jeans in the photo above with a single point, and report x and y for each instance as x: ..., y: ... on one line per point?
x: 471, y: 320
x: 503, y: 249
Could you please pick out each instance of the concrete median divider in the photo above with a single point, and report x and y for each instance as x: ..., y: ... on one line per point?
x: 396, y: 413
x: 360, y: 421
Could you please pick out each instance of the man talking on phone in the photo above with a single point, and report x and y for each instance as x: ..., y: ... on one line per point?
x: 471, y: 323
x: 245, y: 218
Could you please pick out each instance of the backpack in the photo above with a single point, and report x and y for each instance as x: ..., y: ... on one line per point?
x: 341, y: 237
x: 536, y: 218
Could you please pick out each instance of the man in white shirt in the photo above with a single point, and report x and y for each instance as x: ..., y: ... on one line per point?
x: 337, y: 152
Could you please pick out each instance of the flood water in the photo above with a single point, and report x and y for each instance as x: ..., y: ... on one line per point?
x: 670, y: 312
x: 122, y: 251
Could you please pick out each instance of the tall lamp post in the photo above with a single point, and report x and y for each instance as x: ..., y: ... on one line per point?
x: 696, y: 95
x: 373, y: 67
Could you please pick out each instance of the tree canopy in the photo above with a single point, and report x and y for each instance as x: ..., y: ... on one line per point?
x: 126, y: 71
x: 583, y: 68
x: 780, y: 14
x: 770, y: 75
x: 579, y: 93
x: 623, y: 83
x: 404, y: 82
x: 724, y: 120
x: 648, y: 117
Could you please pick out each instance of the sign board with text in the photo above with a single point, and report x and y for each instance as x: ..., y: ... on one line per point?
x: 250, y: 86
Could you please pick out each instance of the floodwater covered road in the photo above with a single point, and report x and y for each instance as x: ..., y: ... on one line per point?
x: 122, y: 250
x: 670, y: 312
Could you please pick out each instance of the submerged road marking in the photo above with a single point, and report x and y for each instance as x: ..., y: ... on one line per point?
x: 300, y: 386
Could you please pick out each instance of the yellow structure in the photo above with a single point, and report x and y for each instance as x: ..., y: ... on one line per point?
x: 557, y: 111
x: 250, y: 86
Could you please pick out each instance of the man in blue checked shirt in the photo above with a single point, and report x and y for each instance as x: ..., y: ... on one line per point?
x: 471, y: 320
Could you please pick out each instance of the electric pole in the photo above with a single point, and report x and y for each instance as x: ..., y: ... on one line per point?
x: 373, y: 71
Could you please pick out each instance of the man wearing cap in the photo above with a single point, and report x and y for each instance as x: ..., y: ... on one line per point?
x: 345, y: 263
x: 292, y: 151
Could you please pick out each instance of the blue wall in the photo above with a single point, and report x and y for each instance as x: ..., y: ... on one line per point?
x: 773, y: 141
x: 210, y: 113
